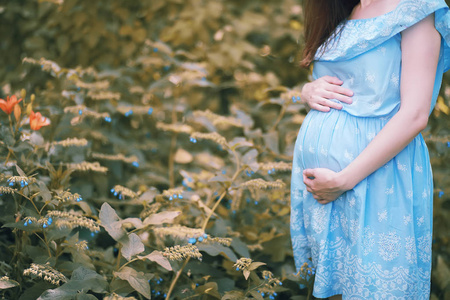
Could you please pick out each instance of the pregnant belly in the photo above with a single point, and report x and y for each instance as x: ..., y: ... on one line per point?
x: 334, y: 139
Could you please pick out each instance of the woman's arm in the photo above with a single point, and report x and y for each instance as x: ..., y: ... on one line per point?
x: 420, y: 54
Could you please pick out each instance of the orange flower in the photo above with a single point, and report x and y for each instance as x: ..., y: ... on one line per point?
x: 8, y: 105
x: 37, y: 121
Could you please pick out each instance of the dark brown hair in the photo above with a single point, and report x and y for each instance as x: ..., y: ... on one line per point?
x: 321, y: 17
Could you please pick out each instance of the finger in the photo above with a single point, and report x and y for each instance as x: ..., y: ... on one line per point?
x: 309, y: 173
x: 341, y: 90
x: 331, y: 104
x: 344, y: 99
x: 319, y: 107
x: 309, y: 189
x: 333, y: 80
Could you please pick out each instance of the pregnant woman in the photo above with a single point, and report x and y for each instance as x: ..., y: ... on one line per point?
x: 361, y: 189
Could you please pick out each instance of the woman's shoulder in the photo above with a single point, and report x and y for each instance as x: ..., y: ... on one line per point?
x: 356, y: 36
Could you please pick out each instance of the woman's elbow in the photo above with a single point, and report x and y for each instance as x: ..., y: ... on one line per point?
x: 416, y: 120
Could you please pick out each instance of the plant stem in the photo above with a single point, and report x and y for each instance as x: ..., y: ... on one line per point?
x: 177, y: 275
x: 205, y: 223
x: 280, y: 117
x: 173, y: 144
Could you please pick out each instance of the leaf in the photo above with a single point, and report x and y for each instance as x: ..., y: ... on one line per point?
x: 209, y: 288
x: 157, y: 257
x: 136, y: 222
x: 110, y: 221
x: 255, y: 265
x: 250, y: 159
x: 246, y: 274
x: 7, y: 284
x: 161, y: 218
x: 240, y: 247
x: 220, y: 178
x: 44, y: 192
x: 216, y: 249
x: 256, y: 295
x: 239, y: 142
x: 82, y: 280
x: 148, y: 196
x: 183, y: 157
x: 132, y: 246
x: 136, y: 279
x: 271, y: 141
x: 21, y: 173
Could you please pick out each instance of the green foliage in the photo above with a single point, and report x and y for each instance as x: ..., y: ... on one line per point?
x: 167, y: 161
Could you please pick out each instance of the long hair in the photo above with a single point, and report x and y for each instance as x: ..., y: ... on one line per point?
x: 321, y: 17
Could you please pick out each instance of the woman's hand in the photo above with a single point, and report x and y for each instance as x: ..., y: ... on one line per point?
x: 325, y: 185
x: 318, y: 94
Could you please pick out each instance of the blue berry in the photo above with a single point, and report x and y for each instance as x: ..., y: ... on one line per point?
x: 193, y: 140
x: 237, y: 268
x: 25, y: 224
x: 50, y: 220
x: 11, y: 183
x: 44, y: 226
x: 275, y: 294
x: 80, y: 112
x: 441, y: 193
x: 224, y: 172
x: 155, y: 49
x: 170, y: 198
x: 150, y: 111
x: 112, y: 190
x: 205, y: 236
x: 180, y: 196
x: 129, y: 113
x: 262, y: 294
x: 29, y: 221
x: 192, y: 241
x: 256, y: 202
x: 200, y: 239
x: 120, y: 197
x: 135, y: 164
x: 175, y: 196
x: 108, y: 119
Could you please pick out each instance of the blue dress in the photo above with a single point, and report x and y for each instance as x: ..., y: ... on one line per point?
x: 373, y: 242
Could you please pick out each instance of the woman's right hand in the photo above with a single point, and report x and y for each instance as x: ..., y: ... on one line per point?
x: 318, y: 93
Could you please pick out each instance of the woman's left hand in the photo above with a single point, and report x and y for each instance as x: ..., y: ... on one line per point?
x: 325, y: 185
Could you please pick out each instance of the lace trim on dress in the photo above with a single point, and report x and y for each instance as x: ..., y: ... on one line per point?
x: 360, y: 35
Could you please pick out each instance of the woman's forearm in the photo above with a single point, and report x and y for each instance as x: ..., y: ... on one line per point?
x: 393, y: 138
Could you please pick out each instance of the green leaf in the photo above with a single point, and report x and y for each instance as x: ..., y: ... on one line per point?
x: 7, y: 284
x: 216, y: 249
x: 157, y: 257
x: 136, y: 279
x: 132, y: 246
